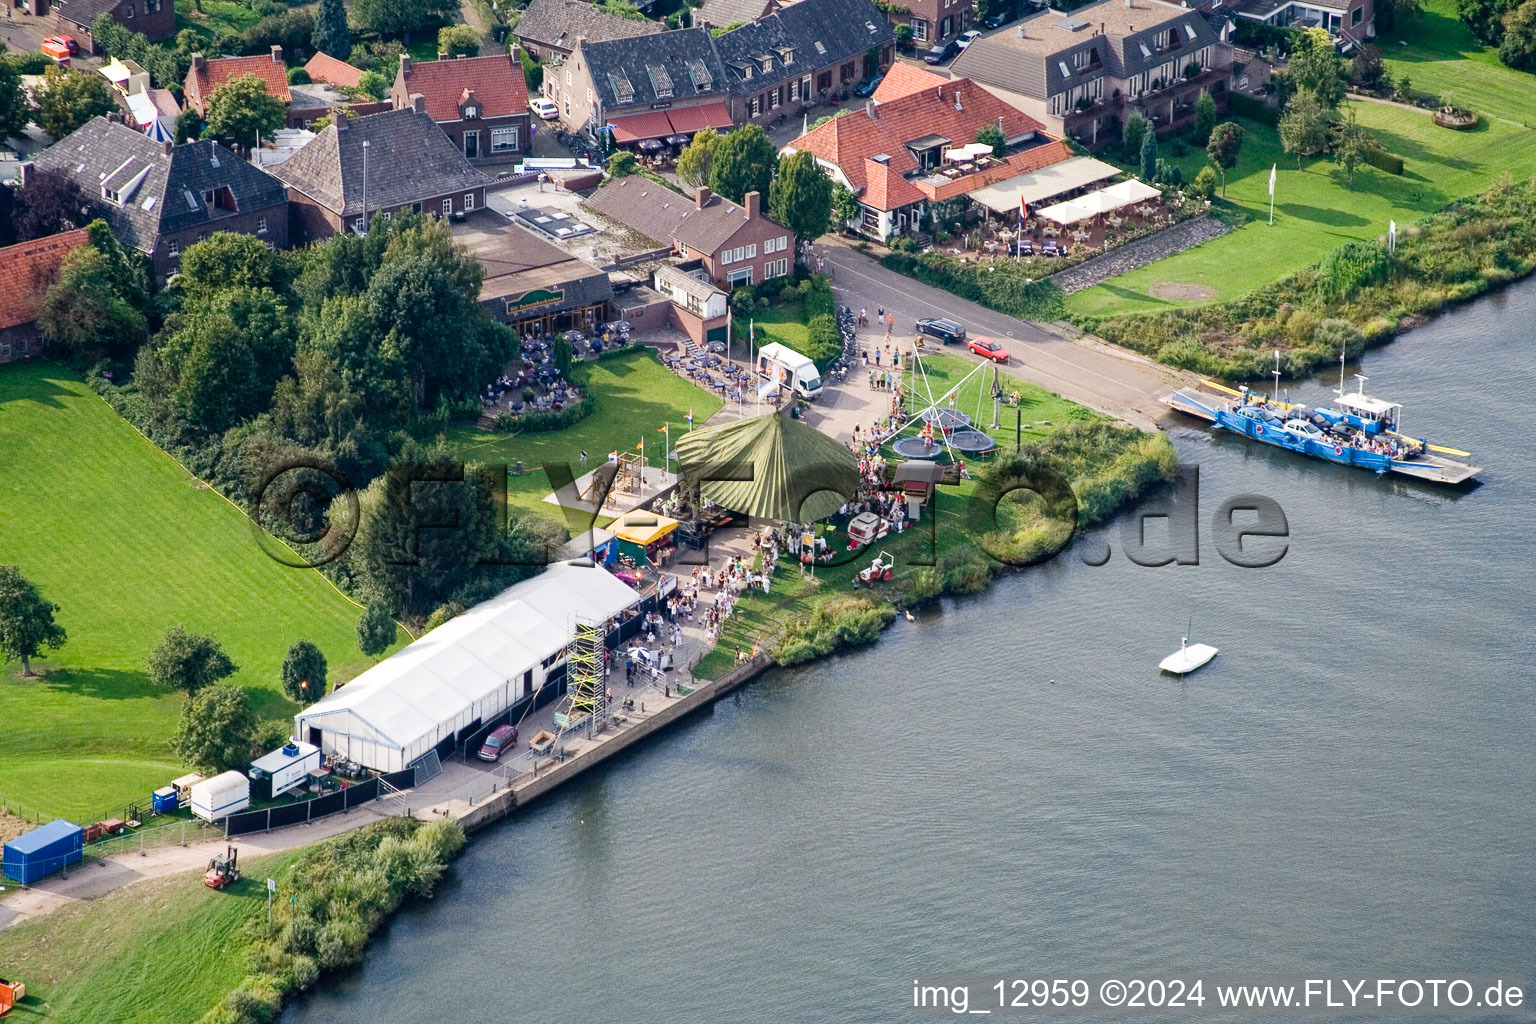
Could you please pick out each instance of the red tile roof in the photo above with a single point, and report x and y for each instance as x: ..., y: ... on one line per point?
x: 908, y: 105
x: 1052, y: 152
x: 203, y: 80
x: 322, y: 67
x: 497, y: 83
x: 885, y: 189
x: 26, y: 271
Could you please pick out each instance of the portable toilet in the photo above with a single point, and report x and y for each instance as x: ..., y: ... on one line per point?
x: 164, y: 800
x: 44, y: 850
x: 217, y: 798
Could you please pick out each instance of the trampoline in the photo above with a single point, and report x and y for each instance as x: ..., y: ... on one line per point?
x: 946, y: 419
x: 917, y: 448
x: 971, y: 441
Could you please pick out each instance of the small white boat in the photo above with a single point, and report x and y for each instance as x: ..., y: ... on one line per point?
x: 1187, y: 658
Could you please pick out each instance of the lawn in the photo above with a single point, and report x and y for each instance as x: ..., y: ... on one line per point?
x: 1315, y: 212
x: 784, y: 324
x: 1038, y: 413
x: 1442, y: 56
x: 635, y: 396
x: 217, y: 17
x: 126, y: 543
x: 167, y: 949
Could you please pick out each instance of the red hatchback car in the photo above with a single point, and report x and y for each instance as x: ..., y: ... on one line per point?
x: 502, y: 738
x: 988, y: 349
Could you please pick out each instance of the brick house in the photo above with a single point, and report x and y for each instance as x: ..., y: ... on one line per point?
x: 481, y: 103
x: 733, y: 242
x: 1082, y: 73
x: 934, y: 21
x: 27, y: 270
x: 161, y: 198
x: 1350, y: 22
x: 550, y: 28
x: 154, y: 18
x: 401, y: 156
x: 647, y: 87
x: 205, y: 75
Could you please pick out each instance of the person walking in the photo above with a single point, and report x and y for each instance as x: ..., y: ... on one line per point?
x: 877, y: 356
x: 583, y: 458
x: 863, y: 316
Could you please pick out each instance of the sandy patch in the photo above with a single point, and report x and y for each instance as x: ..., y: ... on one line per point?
x: 1181, y: 291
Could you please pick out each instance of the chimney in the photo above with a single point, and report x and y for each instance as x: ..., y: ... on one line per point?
x: 463, y: 55
x: 869, y: 107
x: 418, y: 102
x: 754, y: 205
x: 277, y: 52
x: 167, y: 146
x: 405, y: 65
x: 443, y: 54
x: 198, y: 62
x: 27, y: 171
x: 339, y: 118
x: 702, y: 197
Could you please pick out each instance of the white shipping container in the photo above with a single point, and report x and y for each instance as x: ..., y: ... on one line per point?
x: 288, y: 770
x: 219, y: 797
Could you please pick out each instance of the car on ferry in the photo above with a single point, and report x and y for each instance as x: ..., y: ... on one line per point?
x: 988, y: 349
x: 502, y: 739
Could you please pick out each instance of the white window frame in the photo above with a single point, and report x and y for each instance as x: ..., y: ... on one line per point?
x: 778, y: 268
x: 174, y: 252
x: 469, y: 201
x: 497, y: 147
x: 919, y: 30
x: 261, y: 225
x: 448, y: 206
x: 737, y: 278
x: 357, y: 223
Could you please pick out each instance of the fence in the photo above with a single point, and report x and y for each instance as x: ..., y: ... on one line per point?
x: 177, y: 833
x: 304, y: 810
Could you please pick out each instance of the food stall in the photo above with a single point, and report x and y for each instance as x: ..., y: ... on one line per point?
x: 643, y: 536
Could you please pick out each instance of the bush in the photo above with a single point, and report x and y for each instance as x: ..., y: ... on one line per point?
x: 1004, y: 288
x: 1380, y: 158
x: 1242, y: 105
x: 826, y: 343
x: 833, y: 623
x: 298, y: 76
x: 1204, y: 184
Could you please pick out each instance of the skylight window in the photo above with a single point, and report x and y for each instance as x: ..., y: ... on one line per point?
x: 1189, y: 30
x: 1144, y: 51
x: 1066, y: 72
x: 820, y: 49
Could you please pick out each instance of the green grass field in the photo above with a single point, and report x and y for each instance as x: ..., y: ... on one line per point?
x: 635, y: 396
x: 783, y: 324
x: 126, y: 542
x: 1038, y: 414
x: 1442, y: 56
x: 217, y: 17
x: 167, y: 949
x: 1315, y: 212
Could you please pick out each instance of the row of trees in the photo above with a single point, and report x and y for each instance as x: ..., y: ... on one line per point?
x: 1509, y: 25
x: 1314, y: 83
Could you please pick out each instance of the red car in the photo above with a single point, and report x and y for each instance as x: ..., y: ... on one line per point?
x: 988, y: 349
x: 502, y: 738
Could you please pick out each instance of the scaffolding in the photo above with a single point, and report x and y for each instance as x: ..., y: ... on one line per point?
x: 586, y: 680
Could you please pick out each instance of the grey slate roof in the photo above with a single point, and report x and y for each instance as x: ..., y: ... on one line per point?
x: 157, y: 192
x: 812, y: 33
x: 410, y: 160
x: 83, y: 12
x: 622, y: 69
x: 721, y: 13
x: 558, y: 23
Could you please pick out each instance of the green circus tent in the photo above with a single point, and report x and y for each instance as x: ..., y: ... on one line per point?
x: 797, y: 473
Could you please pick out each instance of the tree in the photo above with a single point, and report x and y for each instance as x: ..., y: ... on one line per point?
x: 304, y: 672
x: 331, y: 33
x: 230, y: 260
x: 374, y: 84
x: 1133, y: 134
x: 50, y: 203
x: 1367, y: 67
x: 375, y: 629
x: 227, y: 353
x: 1316, y: 65
x: 1304, y: 126
x: 242, y: 111
x: 27, y: 628
x: 622, y: 164
x: 1518, y: 47
x: 1390, y: 12
x: 392, y: 19
x: 1350, y: 144
x: 189, y: 126
x: 68, y: 99
x: 845, y: 205
x: 903, y: 37
x: 217, y: 728
x: 1485, y: 18
x: 696, y: 159
x: 1149, y: 157
x: 744, y: 162
x: 992, y: 135
x: 533, y: 71
x: 1204, y: 184
x: 14, y: 111
x: 800, y: 197
x: 459, y: 40
x: 1226, y: 143
x: 188, y: 661
x: 622, y: 8
x: 1205, y: 118
x: 83, y: 317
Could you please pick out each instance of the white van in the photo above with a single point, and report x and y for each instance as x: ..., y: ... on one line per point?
x: 788, y: 368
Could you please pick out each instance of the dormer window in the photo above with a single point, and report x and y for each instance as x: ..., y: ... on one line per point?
x: 786, y: 54
x: 109, y: 195
x: 1066, y: 72
x: 471, y: 112
x: 208, y: 197
x: 766, y: 63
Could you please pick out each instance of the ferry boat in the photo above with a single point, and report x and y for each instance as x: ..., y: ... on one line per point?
x: 1358, y: 430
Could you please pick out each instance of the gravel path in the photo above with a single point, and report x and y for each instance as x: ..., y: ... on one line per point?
x: 1137, y: 254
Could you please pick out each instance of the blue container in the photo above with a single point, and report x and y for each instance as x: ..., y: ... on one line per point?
x: 43, y: 851
x: 165, y: 800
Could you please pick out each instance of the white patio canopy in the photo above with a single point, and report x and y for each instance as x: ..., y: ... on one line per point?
x: 1048, y: 181
x: 970, y: 151
x: 1104, y: 200
x: 467, y: 670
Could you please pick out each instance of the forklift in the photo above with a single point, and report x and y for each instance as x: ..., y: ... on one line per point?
x: 11, y: 993
x: 222, y: 869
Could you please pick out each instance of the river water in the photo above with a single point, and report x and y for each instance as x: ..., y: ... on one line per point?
x: 1008, y: 785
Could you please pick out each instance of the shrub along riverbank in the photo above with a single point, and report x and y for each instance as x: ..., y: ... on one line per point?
x: 1357, y: 296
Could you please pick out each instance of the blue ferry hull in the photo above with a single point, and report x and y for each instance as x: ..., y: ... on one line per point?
x: 1273, y: 433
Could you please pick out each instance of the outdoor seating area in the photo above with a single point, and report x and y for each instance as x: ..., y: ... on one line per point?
x: 533, y: 382
x: 708, y: 367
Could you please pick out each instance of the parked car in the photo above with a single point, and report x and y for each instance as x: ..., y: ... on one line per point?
x: 941, y: 52
x: 501, y: 739
x: 988, y: 349
x: 868, y: 86
x: 945, y: 330
x: 545, y: 108
x: 1001, y: 17
x: 965, y: 39
x: 60, y: 48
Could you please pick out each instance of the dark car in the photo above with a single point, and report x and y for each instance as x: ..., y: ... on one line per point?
x: 941, y: 52
x: 501, y: 739
x: 1001, y: 17
x: 946, y: 331
x: 868, y: 86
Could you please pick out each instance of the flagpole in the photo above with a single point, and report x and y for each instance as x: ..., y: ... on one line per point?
x: 1272, y: 194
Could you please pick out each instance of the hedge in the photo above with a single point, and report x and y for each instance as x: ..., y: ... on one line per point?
x: 1243, y: 105
x: 1001, y: 288
x: 1380, y: 158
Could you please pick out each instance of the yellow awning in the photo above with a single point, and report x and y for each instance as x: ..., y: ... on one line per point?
x: 641, y: 527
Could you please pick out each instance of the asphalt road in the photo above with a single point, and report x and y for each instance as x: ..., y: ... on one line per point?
x: 1086, y: 370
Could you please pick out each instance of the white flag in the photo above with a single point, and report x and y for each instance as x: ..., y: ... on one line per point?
x: 1272, y: 180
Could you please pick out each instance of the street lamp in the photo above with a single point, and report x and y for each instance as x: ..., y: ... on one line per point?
x: 365, y: 186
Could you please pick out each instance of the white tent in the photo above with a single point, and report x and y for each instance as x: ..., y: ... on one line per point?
x: 1104, y: 200
x: 467, y: 670
x: 1050, y: 180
